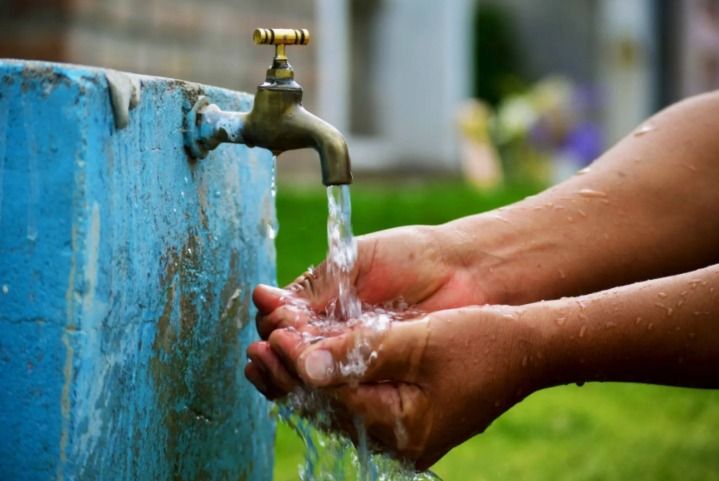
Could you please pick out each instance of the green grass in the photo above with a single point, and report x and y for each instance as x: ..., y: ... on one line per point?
x: 596, y: 432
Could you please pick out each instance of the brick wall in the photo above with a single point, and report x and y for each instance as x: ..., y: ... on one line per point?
x: 208, y: 41
x: 33, y: 29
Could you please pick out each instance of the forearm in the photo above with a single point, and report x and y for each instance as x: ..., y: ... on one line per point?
x: 645, y: 209
x: 664, y: 331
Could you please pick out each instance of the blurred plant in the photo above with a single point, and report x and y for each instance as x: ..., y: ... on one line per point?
x: 480, y: 162
x: 547, y: 132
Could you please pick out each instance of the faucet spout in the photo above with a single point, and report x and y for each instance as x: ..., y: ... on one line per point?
x: 277, y: 122
x: 329, y: 143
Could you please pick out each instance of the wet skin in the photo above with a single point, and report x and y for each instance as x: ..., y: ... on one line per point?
x: 645, y: 211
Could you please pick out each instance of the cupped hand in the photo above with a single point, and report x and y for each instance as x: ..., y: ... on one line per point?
x: 429, y: 383
x: 424, y: 267
x: 420, y: 266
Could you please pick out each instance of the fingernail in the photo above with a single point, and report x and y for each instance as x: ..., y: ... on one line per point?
x: 319, y: 366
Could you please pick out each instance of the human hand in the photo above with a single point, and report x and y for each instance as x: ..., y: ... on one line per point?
x: 420, y: 266
x: 423, y: 266
x: 431, y: 383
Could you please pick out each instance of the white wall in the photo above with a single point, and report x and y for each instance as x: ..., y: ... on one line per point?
x: 627, y: 63
x: 422, y: 71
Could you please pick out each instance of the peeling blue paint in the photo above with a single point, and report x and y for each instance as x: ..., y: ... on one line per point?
x: 126, y: 272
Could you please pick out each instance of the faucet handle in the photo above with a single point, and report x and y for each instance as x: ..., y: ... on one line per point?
x: 281, y: 71
x: 281, y: 36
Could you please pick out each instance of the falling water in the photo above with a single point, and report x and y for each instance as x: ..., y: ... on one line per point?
x: 269, y: 216
x: 330, y: 456
x: 342, y: 251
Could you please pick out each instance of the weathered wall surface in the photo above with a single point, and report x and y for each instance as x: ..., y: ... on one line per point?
x: 125, y: 279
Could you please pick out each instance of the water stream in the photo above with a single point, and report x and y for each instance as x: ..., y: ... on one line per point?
x: 330, y: 456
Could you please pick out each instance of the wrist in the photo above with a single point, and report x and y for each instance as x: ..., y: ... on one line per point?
x: 530, y: 349
x: 551, y: 322
x: 507, y: 258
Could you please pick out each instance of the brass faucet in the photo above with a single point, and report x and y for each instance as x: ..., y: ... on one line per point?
x: 277, y: 121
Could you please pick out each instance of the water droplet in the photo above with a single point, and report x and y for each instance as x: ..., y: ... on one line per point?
x: 5, y: 289
x: 591, y: 193
x: 644, y: 129
x: 501, y: 218
x: 582, y: 331
x: 663, y: 295
x: 270, y: 231
x: 189, y: 251
x: 187, y: 181
x: 667, y: 309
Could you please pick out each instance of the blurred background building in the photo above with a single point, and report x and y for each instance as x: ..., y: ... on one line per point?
x: 394, y: 75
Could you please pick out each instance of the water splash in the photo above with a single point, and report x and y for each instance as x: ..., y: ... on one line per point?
x: 330, y: 456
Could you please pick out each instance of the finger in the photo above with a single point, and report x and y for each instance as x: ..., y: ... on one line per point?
x: 287, y: 345
x: 254, y: 374
x: 274, y: 375
x: 294, y: 316
x: 268, y: 298
x: 362, y: 355
x: 255, y: 377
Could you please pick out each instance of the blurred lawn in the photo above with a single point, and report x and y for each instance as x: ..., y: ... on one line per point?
x: 596, y: 432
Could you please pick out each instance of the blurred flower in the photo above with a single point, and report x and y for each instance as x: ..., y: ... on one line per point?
x: 473, y: 118
x: 480, y: 163
x: 549, y: 123
x: 584, y: 142
x: 515, y: 117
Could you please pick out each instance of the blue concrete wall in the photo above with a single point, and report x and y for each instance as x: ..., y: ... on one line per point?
x: 125, y: 279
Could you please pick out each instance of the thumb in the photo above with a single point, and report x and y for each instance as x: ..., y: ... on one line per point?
x: 366, y: 356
